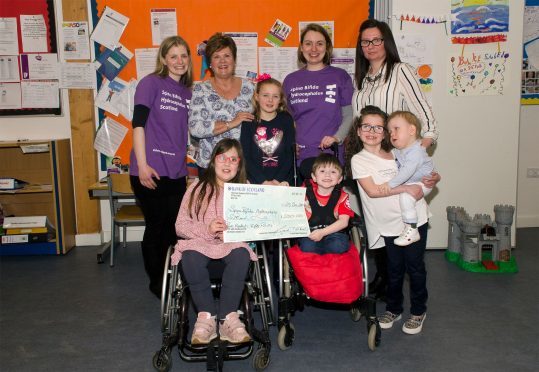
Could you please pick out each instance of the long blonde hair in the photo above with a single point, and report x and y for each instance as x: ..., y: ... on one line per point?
x: 162, y: 70
x: 256, y: 105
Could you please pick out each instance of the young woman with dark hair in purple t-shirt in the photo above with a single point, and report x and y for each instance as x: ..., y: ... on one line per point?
x: 319, y: 96
x: 158, y: 166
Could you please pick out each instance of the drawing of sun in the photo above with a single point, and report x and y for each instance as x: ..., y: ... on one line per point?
x: 424, y: 71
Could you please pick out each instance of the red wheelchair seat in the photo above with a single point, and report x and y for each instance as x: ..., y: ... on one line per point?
x: 332, y: 277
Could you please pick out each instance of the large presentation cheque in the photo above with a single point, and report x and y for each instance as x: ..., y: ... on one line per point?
x: 260, y: 212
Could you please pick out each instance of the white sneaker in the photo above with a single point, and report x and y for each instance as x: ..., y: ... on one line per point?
x: 387, y: 319
x: 414, y: 324
x: 408, y: 236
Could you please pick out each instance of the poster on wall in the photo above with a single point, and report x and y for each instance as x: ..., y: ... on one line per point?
x: 250, y: 22
x: 530, y: 62
x: 278, y: 33
x: 164, y: 24
x: 328, y: 25
x: 477, y: 73
x: 8, y: 36
x: 34, y: 33
x: 344, y: 58
x: 277, y: 62
x: 29, y: 59
x: 418, y: 51
x: 479, y: 16
x: 76, y: 44
x: 246, y: 60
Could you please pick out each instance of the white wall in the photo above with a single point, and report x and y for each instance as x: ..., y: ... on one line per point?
x: 477, y: 152
x: 37, y: 127
x: 528, y: 157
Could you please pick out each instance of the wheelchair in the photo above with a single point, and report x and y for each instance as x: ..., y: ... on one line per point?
x: 292, y: 296
x: 175, y: 299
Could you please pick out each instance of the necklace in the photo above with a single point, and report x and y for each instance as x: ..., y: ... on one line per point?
x: 374, y: 78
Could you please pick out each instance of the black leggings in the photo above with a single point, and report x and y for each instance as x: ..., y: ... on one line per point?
x: 194, y: 266
x: 160, y: 208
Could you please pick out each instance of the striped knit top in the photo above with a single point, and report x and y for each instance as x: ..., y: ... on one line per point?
x: 194, y: 232
x: 400, y: 92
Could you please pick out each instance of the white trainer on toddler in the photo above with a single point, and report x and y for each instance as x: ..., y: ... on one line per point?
x: 408, y: 236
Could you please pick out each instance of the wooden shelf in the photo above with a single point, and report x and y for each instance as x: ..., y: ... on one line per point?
x: 49, y: 192
x: 29, y: 189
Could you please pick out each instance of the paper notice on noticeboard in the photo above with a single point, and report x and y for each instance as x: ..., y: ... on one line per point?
x: 109, y: 137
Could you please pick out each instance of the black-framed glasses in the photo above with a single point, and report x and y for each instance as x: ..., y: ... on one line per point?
x: 375, y: 128
x: 375, y: 42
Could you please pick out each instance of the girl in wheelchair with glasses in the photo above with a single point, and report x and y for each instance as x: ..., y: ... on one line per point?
x: 201, y: 225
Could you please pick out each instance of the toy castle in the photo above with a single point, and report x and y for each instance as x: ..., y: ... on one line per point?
x: 470, y: 239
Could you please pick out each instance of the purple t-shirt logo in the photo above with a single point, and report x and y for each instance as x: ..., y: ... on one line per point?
x: 330, y: 93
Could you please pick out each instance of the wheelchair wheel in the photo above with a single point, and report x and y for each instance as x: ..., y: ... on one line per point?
x: 356, y: 237
x: 355, y: 314
x: 285, y: 339
x: 261, y: 359
x: 169, y: 316
x: 161, y: 361
x: 374, y: 336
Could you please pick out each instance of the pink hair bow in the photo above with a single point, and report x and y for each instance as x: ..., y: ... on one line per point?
x: 263, y: 77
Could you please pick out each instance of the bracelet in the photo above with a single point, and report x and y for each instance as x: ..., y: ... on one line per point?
x: 227, y: 123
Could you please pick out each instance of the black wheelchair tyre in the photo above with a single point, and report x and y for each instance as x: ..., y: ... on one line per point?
x: 261, y: 359
x: 161, y: 361
x: 285, y: 338
x: 355, y: 313
x: 372, y: 341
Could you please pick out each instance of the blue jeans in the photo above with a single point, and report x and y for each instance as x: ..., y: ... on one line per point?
x: 409, y: 259
x: 333, y: 243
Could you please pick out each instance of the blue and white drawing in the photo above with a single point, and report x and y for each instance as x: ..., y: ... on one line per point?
x: 479, y: 16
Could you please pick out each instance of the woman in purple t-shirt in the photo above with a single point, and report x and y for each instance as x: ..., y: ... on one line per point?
x: 319, y: 96
x: 158, y: 167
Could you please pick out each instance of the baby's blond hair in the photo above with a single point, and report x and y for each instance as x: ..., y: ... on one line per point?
x: 409, y: 118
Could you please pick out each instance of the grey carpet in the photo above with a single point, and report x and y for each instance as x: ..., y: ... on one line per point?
x: 70, y: 314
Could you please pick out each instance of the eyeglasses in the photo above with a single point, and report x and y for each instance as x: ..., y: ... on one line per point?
x: 375, y: 42
x: 222, y: 158
x: 375, y: 128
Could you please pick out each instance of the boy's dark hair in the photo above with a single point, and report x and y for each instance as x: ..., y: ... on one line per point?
x: 326, y: 159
